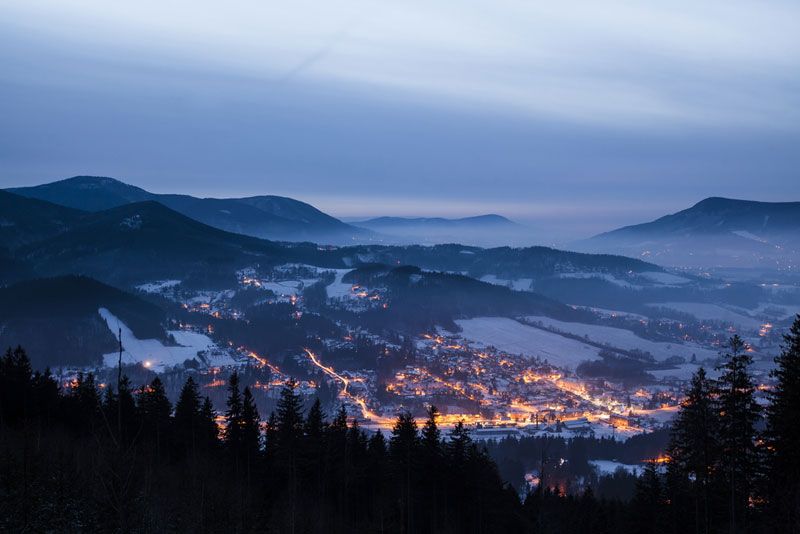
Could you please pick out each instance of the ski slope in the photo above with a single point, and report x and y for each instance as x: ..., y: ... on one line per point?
x: 514, y: 337
x: 153, y: 354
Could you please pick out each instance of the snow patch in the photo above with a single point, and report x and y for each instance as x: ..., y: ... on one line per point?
x: 514, y: 337
x: 155, y: 355
x: 625, y: 339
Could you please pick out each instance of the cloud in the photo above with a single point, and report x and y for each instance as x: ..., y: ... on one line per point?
x: 620, y: 64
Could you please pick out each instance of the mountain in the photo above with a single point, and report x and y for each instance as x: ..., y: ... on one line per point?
x: 269, y: 217
x: 716, y: 232
x: 66, y: 308
x: 145, y: 241
x: 483, y: 230
x: 25, y: 220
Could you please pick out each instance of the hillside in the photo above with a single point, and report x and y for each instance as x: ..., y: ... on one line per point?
x: 66, y: 308
x: 714, y: 232
x: 26, y: 220
x: 269, y: 217
x: 145, y: 241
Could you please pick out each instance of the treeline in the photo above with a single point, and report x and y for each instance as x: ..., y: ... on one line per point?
x: 92, y: 458
x: 89, y: 457
x: 733, y: 466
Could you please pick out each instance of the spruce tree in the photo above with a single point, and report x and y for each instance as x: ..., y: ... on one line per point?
x: 209, y: 430
x: 782, y: 437
x: 647, y: 501
x: 693, y: 447
x: 187, y: 417
x: 289, y: 440
x: 738, y: 414
x: 402, y: 451
x: 432, y: 465
x: 233, y: 416
x: 251, y: 421
x: 155, y: 410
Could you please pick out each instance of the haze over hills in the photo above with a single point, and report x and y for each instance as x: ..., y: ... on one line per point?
x: 481, y: 230
x: 269, y: 217
x: 715, y: 232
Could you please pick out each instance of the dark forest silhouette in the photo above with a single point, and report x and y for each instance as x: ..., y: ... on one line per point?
x: 91, y: 458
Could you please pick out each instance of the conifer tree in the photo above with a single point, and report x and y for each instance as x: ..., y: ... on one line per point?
x: 647, y: 501
x: 233, y: 416
x: 431, y: 464
x: 15, y: 384
x: 289, y: 440
x: 693, y: 447
x: 738, y: 414
x: 209, y: 431
x: 155, y: 408
x: 402, y: 451
x: 187, y: 417
x: 251, y: 421
x: 313, y: 449
x: 783, y: 437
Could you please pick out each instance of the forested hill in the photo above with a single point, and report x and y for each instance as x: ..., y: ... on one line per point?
x: 58, y: 319
x: 265, y: 216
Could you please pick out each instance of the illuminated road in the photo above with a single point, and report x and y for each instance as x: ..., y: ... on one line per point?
x: 366, y: 413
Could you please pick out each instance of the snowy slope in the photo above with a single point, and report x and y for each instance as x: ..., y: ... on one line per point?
x: 625, y: 339
x: 513, y: 337
x: 154, y: 354
x: 711, y: 312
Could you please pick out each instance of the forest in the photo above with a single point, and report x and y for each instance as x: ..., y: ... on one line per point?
x: 87, y: 456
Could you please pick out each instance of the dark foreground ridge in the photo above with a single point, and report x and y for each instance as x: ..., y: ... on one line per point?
x: 86, y: 456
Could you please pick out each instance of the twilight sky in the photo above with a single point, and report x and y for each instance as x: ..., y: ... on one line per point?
x: 574, y: 117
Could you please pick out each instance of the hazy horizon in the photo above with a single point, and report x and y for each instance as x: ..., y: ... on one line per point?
x: 574, y: 119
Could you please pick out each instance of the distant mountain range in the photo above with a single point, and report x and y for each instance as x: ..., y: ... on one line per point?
x: 482, y: 230
x: 268, y: 217
x: 716, y: 232
x: 146, y: 240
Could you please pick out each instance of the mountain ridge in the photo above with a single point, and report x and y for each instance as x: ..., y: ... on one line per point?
x: 267, y: 216
x: 715, y: 232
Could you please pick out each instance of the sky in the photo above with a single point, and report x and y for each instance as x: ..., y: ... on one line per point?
x: 571, y: 117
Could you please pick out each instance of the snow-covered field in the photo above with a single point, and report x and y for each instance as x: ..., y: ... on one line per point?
x: 710, y: 312
x: 157, y: 356
x: 287, y: 288
x: 513, y: 337
x: 337, y: 288
x: 625, y: 339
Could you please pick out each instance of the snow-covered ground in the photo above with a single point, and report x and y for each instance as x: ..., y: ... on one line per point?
x: 287, y: 288
x: 605, y: 312
x: 337, y: 288
x: 520, y: 284
x: 683, y: 371
x: 625, y: 339
x: 514, y: 337
x: 777, y: 311
x: 154, y: 355
x: 710, y: 312
x: 158, y: 286
x: 602, y: 276
x: 609, y: 467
